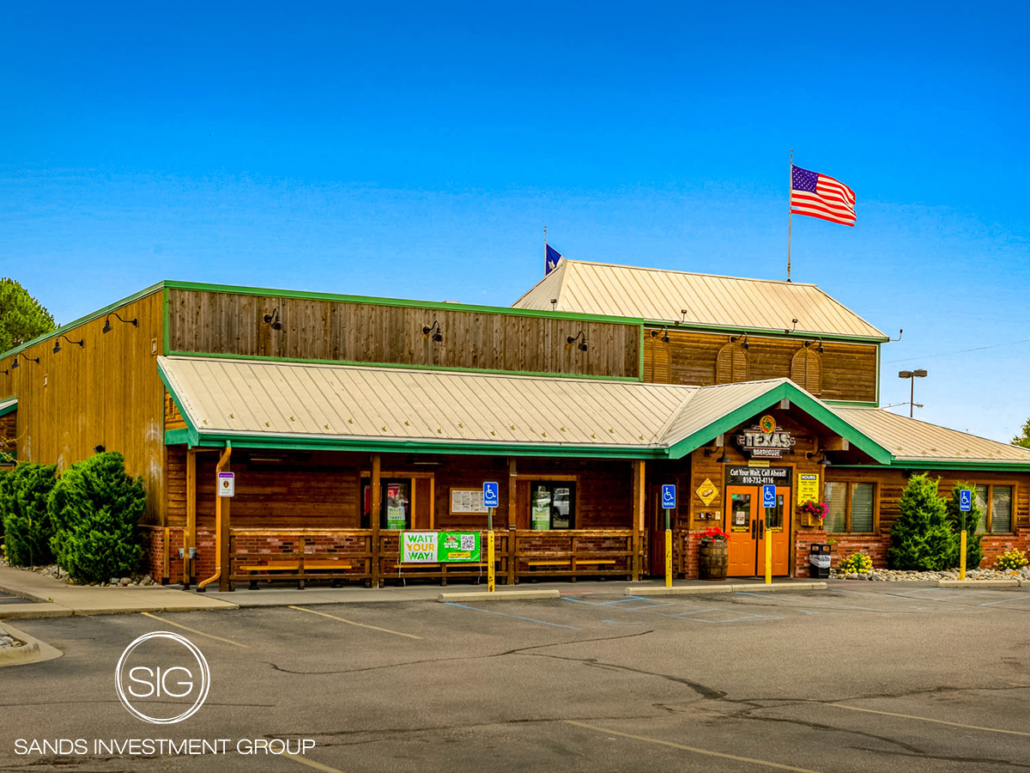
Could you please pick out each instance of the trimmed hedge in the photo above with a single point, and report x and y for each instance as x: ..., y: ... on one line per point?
x: 95, y: 508
x: 921, y: 538
x: 26, y: 520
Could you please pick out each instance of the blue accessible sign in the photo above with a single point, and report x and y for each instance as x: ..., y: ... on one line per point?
x: 768, y: 495
x: 965, y: 500
x: 490, y: 495
x: 668, y: 496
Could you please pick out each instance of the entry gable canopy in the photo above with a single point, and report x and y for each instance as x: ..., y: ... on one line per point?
x: 10, y: 405
x: 709, y: 301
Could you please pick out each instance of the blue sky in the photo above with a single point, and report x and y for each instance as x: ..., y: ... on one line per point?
x: 418, y: 150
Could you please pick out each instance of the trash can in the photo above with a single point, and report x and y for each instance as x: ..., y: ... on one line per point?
x: 819, y: 560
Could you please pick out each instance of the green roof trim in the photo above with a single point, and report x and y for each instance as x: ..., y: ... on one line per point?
x: 765, y: 332
x: 401, y: 366
x: 798, y: 398
x: 83, y: 320
x: 10, y: 405
x: 1002, y: 465
x: 438, y: 305
x: 175, y: 437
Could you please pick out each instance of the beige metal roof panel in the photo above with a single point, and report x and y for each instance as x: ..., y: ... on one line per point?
x: 709, y: 404
x: 712, y: 301
x: 913, y: 440
x: 221, y: 396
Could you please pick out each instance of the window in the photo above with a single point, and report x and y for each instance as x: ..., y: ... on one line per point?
x: 552, y: 505
x: 852, y: 508
x: 394, y: 504
x: 995, y: 503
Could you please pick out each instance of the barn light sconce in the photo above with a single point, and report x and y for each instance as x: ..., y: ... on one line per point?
x: 273, y: 321
x: 433, y: 331
x: 744, y: 344
x: 554, y: 304
x: 99, y: 449
x: 794, y: 322
x: 16, y: 364
x: 900, y: 333
x: 723, y: 459
x: 664, y: 332
x: 683, y: 317
x: 57, y: 343
x: 107, y: 322
x: 825, y: 461
x: 582, y: 343
x: 818, y: 348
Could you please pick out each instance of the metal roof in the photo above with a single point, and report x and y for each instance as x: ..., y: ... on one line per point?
x: 911, y: 440
x: 10, y: 405
x: 710, y: 301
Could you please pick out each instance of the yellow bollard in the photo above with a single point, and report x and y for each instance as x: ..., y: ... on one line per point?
x: 668, y: 558
x: 491, y: 571
x: 768, y: 557
x: 962, y: 558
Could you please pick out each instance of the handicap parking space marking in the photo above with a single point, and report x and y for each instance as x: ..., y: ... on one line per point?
x: 516, y: 617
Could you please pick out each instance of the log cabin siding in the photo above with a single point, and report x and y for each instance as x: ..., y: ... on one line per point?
x: 844, y: 371
x: 106, y: 392
x: 233, y: 324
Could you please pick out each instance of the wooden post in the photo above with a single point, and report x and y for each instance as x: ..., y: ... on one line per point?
x: 512, y: 519
x: 189, y: 540
x: 638, y: 517
x: 376, y: 497
x: 224, y: 584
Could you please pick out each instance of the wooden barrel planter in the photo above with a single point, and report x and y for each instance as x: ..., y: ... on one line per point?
x: 715, y: 559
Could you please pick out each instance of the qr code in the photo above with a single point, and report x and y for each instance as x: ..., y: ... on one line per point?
x: 468, y: 541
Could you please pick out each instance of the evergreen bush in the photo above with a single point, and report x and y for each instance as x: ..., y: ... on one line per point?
x: 23, y: 510
x: 95, y: 508
x: 969, y: 521
x: 921, y: 538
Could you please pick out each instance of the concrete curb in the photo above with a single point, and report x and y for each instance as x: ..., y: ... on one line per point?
x: 704, y: 590
x: 504, y: 595
x: 33, y: 611
x: 33, y: 651
x: 1013, y: 583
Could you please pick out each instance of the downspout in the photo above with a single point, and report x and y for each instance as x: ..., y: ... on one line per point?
x: 222, y: 461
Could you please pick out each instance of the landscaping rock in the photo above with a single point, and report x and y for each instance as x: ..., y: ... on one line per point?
x: 125, y: 581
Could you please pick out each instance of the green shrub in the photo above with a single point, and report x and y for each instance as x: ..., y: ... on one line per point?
x: 921, y: 538
x: 23, y: 509
x: 95, y: 508
x: 856, y: 563
x: 1012, y: 559
x: 968, y: 521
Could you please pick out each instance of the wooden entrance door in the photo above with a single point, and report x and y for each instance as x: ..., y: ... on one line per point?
x: 656, y: 533
x: 742, y: 526
x: 750, y: 525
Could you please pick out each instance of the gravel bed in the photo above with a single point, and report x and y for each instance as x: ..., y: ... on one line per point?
x: 896, y: 575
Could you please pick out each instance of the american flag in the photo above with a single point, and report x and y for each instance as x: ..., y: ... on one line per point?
x: 817, y: 195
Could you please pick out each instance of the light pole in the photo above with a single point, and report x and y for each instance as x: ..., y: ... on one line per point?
x: 912, y: 375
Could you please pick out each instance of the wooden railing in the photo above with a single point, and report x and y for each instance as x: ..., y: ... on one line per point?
x: 300, y: 555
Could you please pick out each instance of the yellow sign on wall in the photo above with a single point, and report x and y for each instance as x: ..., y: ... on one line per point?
x: 707, y: 492
x: 808, y: 487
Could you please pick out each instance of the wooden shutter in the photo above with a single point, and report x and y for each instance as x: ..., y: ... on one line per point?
x: 806, y: 370
x: 731, y: 364
x: 657, y: 360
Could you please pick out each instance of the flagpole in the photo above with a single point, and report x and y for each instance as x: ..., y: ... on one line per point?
x: 545, y: 250
x: 790, y: 190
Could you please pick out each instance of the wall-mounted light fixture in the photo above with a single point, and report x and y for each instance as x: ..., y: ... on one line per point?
x: 57, y: 343
x: 794, y: 322
x: 99, y: 449
x: 107, y: 322
x: 723, y: 459
x: 16, y: 364
x: 744, y: 344
x: 901, y: 332
x: 554, y: 304
x: 683, y: 317
x: 581, y: 337
x: 433, y: 331
x: 818, y: 345
x: 273, y: 321
x: 664, y: 333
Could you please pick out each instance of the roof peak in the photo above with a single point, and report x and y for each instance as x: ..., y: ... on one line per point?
x: 785, y: 282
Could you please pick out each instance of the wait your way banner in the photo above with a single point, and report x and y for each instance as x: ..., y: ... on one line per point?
x: 437, y: 547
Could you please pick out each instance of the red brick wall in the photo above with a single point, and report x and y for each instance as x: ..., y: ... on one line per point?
x: 994, y: 545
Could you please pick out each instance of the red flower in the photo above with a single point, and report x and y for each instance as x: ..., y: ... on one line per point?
x: 713, y: 533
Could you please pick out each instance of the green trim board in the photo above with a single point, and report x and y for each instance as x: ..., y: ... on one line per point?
x: 915, y: 464
x: 401, y: 366
x: 852, y: 403
x: 63, y: 329
x: 10, y: 405
x: 192, y: 435
x: 797, y: 397
x: 764, y: 332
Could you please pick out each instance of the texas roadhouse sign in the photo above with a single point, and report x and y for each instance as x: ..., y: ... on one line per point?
x: 765, y: 440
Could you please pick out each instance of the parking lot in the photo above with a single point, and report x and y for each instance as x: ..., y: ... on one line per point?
x: 857, y: 678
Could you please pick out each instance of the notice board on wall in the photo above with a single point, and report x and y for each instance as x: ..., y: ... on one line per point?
x: 467, y: 500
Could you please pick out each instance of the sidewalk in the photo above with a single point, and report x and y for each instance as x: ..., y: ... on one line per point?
x: 53, y: 598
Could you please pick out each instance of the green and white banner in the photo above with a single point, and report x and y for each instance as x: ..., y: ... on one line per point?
x: 438, y: 547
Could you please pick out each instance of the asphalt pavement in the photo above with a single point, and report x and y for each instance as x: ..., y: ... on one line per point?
x: 861, y: 677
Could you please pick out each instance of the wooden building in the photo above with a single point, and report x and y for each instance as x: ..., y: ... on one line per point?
x: 347, y: 420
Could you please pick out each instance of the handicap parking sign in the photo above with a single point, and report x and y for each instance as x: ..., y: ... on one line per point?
x: 965, y: 500
x: 768, y: 495
x: 669, y: 496
x: 490, y: 498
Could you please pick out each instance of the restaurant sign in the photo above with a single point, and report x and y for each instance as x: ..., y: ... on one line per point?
x: 439, y: 547
x: 757, y: 476
x: 765, y: 440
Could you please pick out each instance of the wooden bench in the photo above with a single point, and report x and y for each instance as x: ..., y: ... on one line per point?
x: 290, y: 566
x: 551, y: 562
x: 594, y: 562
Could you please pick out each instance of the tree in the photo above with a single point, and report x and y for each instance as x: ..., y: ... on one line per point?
x: 921, y: 538
x: 22, y: 318
x: 95, y: 508
x: 1023, y: 438
x: 23, y: 509
x: 969, y: 521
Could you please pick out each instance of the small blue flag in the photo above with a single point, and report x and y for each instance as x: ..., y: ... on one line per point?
x: 552, y: 258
